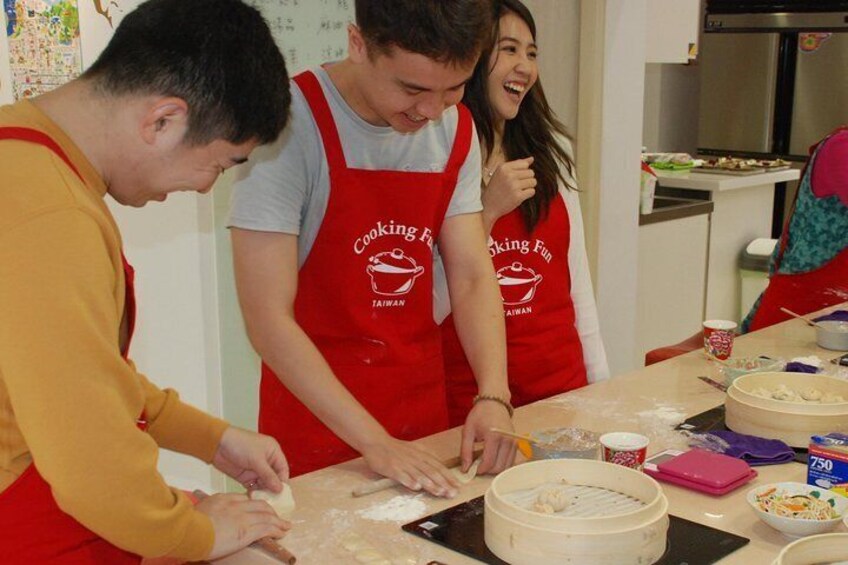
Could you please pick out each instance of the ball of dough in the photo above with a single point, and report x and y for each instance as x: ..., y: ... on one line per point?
x: 371, y: 556
x: 282, y: 502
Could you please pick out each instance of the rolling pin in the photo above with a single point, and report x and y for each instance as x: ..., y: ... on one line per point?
x: 378, y: 485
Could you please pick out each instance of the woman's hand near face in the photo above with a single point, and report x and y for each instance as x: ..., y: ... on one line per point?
x: 513, y: 183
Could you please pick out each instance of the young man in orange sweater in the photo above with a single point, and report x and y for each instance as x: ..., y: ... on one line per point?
x: 185, y: 90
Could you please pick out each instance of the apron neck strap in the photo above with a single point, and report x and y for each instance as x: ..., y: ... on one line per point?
x: 314, y: 94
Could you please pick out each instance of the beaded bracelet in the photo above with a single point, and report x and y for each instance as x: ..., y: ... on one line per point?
x: 497, y: 399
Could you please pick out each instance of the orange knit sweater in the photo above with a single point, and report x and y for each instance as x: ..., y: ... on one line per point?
x: 68, y: 400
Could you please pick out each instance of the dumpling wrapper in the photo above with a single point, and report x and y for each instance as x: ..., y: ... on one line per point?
x: 282, y: 502
x: 468, y: 476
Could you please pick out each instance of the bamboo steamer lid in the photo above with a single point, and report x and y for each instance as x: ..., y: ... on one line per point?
x: 823, y: 548
x: 521, y: 536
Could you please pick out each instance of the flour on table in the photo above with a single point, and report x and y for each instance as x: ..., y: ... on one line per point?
x: 403, y: 508
x: 664, y: 414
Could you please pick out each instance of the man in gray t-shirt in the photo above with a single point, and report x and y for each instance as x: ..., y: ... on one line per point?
x: 333, y: 231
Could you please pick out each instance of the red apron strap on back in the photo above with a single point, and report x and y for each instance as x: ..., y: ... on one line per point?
x: 311, y: 88
x: 39, y: 138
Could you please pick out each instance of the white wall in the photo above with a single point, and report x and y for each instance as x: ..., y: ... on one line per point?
x: 176, y: 344
x: 616, y: 211
x: 558, y: 36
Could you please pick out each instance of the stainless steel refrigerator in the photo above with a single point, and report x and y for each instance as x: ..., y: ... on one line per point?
x: 749, y: 107
x: 773, y: 81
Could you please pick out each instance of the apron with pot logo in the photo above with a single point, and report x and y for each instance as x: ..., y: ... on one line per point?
x: 33, y: 529
x: 364, y: 298
x: 816, y: 224
x: 544, y: 352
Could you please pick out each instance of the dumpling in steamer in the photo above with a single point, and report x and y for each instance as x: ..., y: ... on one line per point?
x: 542, y: 508
x: 761, y: 392
x: 811, y: 394
x: 782, y: 392
x: 831, y: 398
x: 556, y: 498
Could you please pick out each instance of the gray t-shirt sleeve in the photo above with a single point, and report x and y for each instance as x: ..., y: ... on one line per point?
x: 273, y: 187
x: 466, y: 197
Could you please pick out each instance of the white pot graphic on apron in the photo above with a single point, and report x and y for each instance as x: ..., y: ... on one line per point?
x: 393, y: 273
x: 518, y: 284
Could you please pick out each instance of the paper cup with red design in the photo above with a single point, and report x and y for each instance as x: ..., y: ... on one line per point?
x: 625, y: 448
x: 718, y: 337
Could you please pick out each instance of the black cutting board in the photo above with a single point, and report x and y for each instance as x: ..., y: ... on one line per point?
x: 460, y: 528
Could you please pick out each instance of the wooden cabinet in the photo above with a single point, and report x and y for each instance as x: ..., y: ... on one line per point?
x: 672, y: 27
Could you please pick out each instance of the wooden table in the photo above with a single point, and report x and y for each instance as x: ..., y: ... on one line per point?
x: 650, y: 401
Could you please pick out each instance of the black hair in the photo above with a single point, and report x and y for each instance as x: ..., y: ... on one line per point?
x: 533, y: 132
x: 451, y: 31
x: 217, y: 55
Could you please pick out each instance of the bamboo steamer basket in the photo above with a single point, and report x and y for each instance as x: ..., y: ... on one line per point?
x: 823, y: 548
x: 520, y: 536
x: 791, y: 422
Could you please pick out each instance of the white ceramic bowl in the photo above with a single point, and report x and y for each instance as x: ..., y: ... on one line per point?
x: 795, y: 527
x: 823, y: 548
x: 832, y: 334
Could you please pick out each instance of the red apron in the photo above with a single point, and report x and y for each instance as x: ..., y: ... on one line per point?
x: 802, y: 293
x: 544, y: 352
x: 33, y: 529
x: 365, y: 298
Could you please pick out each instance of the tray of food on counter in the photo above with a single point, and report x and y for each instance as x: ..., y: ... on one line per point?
x: 670, y: 161
x: 738, y: 166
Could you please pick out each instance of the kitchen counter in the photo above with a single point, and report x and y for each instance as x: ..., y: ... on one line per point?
x: 719, y: 182
x: 650, y: 401
x: 667, y: 208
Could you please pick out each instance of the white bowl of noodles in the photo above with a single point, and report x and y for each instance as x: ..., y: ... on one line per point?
x: 797, y: 509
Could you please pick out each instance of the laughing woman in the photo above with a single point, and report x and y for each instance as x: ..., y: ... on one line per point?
x: 532, y: 211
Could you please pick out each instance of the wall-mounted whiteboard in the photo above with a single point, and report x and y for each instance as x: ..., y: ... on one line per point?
x: 309, y: 32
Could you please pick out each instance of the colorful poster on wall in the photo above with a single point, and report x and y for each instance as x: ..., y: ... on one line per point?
x: 43, y: 44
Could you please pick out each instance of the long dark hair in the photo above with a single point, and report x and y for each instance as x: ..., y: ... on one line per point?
x: 533, y: 131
